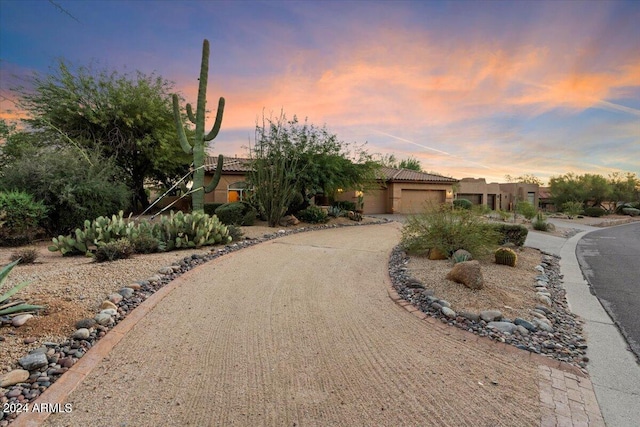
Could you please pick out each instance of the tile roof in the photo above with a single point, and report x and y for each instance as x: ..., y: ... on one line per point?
x: 392, y: 174
x: 230, y: 164
x: 241, y: 165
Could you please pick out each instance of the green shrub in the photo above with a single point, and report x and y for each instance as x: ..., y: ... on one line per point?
x: 14, y: 306
x: 236, y: 213
x: 111, y: 251
x: 210, y: 208
x: 313, y: 215
x: 481, y: 209
x: 511, y: 233
x: 21, y: 218
x: 462, y: 204
x: 145, y: 243
x: 595, y: 212
x: 335, y: 211
x: 235, y: 233
x: 631, y: 211
x: 447, y: 231
x: 344, y: 205
x: 71, y: 188
x: 526, y: 209
x: 25, y: 255
x: 540, y: 223
x: 192, y: 230
x: 572, y: 209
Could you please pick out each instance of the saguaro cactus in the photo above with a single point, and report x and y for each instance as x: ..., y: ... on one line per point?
x: 197, y: 146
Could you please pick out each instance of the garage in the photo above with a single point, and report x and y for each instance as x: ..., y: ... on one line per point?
x: 375, y: 201
x: 414, y: 201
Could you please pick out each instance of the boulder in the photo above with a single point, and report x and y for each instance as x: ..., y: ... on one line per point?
x: 33, y: 361
x: 288, y: 220
x: 435, y: 254
x: 14, y: 377
x: 468, y: 273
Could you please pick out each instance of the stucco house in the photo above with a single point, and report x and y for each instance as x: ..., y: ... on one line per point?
x: 399, y: 190
x: 497, y: 195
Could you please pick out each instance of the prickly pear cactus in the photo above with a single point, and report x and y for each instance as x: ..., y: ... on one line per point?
x: 506, y: 256
x: 196, y: 147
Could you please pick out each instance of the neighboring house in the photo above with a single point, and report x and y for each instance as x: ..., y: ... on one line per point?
x: 400, y: 190
x: 497, y: 196
x: 545, y: 202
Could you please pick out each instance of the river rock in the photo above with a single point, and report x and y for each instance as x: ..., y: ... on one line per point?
x: 474, y: 317
x: 544, y: 299
x: 542, y: 325
x: 14, y: 377
x: 103, y: 319
x: 21, y: 319
x: 506, y: 327
x: 527, y: 325
x: 81, y: 334
x: 85, y: 323
x: 490, y: 315
x: 128, y: 292
x: 108, y: 305
x: 448, y: 312
x: 33, y: 361
x: 115, y: 298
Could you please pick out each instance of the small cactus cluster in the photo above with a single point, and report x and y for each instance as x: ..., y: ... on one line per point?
x: 176, y: 231
x: 506, y: 256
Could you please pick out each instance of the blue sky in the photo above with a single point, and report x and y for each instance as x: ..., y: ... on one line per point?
x: 471, y: 89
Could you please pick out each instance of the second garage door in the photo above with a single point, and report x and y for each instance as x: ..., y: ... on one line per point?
x: 415, y: 201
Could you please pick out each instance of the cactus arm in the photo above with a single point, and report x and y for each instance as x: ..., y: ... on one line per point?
x: 216, y: 177
x: 184, y: 143
x: 216, y: 126
x: 192, y: 118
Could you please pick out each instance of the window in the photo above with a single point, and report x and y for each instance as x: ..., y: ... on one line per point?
x: 532, y: 198
x: 237, y: 191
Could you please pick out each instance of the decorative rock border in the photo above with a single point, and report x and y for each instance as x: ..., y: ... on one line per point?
x: 553, y: 331
x: 45, y: 365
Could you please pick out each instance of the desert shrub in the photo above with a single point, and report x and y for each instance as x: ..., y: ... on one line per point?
x: 111, y: 251
x: 21, y: 218
x: 540, y: 223
x: 192, y: 230
x: 462, y: 204
x: 344, y: 205
x: 71, y: 186
x: 335, y: 211
x: 511, y: 233
x: 572, y: 209
x: 313, y: 215
x: 631, y: 211
x: 526, y: 209
x: 236, y: 213
x: 447, y: 231
x: 235, y: 232
x: 595, y: 212
x: 481, y: 209
x: 210, y: 208
x: 145, y: 243
x: 25, y: 255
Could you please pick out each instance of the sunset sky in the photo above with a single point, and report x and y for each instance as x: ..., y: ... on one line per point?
x: 470, y: 88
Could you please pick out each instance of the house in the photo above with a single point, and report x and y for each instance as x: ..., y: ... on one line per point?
x: 399, y: 190
x: 545, y: 200
x: 497, y: 195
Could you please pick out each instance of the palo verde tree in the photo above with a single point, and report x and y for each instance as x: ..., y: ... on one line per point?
x: 197, y: 145
x: 125, y: 118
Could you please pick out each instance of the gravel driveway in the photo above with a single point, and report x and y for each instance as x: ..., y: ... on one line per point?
x: 300, y: 331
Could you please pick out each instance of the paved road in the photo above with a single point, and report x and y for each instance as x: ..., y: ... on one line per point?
x: 610, y: 260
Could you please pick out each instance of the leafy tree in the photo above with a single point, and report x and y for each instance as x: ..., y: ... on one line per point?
x: 391, y: 161
x: 122, y: 117
x: 16, y: 144
x: 525, y: 179
x: 73, y: 185
x: 624, y: 188
x: 411, y: 163
x: 588, y: 189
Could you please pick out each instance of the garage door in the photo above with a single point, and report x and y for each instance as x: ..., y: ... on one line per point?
x: 375, y: 202
x: 414, y: 201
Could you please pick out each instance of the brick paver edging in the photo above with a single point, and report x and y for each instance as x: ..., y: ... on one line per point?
x: 566, y: 393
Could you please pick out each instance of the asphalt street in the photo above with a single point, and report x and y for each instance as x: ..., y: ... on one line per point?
x: 610, y: 260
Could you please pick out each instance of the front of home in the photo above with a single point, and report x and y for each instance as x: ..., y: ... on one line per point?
x: 398, y: 190
x: 497, y: 196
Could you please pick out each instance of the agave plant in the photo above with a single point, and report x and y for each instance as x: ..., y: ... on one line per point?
x: 18, y: 306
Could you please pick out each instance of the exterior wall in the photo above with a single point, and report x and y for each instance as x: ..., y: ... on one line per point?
x: 503, y: 194
x: 518, y: 190
x: 219, y: 195
x: 395, y: 192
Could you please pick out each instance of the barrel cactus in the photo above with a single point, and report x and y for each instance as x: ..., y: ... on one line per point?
x: 506, y: 256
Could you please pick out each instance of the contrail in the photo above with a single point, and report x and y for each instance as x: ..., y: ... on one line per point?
x: 432, y: 149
